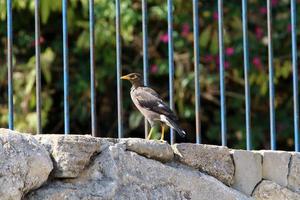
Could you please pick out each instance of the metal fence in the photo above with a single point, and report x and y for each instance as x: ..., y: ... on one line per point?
x: 197, y: 52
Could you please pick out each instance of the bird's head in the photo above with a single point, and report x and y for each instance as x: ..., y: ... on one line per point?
x: 134, y: 78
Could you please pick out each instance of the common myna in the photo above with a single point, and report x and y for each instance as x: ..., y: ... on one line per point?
x: 152, y: 106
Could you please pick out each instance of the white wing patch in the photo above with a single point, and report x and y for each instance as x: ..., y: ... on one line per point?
x: 163, y: 118
x: 161, y: 105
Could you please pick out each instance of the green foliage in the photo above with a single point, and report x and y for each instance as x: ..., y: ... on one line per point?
x: 51, y: 59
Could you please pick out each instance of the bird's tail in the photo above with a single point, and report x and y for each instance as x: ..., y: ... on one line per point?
x: 175, y: 126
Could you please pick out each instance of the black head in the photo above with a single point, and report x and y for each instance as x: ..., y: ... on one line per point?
x: 134, y: 78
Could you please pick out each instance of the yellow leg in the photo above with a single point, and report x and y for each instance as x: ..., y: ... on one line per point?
x: 162, y: 133
x: 150, y: 133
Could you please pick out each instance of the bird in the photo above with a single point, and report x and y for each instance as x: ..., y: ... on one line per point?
x: 151, y: 105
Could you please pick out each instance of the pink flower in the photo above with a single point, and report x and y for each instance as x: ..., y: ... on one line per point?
x: 185, y: 30
x: 208, y: 58
x: 41, y: 41
x: 229, y: 51
x: 256, y: 61
x: 259, y: 32
x: 263, y: 10
x: 215, y: 15
x: 289, y: 28
x: 153, y: 68
x: 217, y: 60
x: 164, y: 38
x: 226, y: 63
x: 274, y: 2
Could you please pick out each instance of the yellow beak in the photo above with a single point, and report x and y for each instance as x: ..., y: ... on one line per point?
x: 126, y: 77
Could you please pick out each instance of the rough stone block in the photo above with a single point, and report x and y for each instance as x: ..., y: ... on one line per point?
x: 213, y: 160
x: 119, y: 174
x: 294, y: 175
x: 153, y: 149
x: 276, y: 166
x: 24, y: 164
x: 268, y: 190
x: 248, y: 170
x: 70, y: 153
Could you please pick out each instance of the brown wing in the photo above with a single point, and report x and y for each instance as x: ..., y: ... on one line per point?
x: 150, y: 100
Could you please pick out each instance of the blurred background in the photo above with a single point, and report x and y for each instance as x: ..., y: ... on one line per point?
x: 52, y: 80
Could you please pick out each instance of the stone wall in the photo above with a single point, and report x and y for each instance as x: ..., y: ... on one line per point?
x: 56, y: 167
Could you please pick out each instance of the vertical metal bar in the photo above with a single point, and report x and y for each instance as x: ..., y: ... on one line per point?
x: 38, y: 66
x: 246, y: 70
x: 197, y: 69
x: 295, y: 74
x: 171, y: 63
x: 145, y: 52
x: 92, y: 68
x: 271, y: 75
x: 10, y: 66
x: 66, y: 66
x: 119, y: 70
x: 222, y: 84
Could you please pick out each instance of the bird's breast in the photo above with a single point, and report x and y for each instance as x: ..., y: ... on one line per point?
x: 134, y: 99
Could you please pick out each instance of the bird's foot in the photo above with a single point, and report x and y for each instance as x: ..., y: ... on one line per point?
x: 150, y: 133
x: 162, y: 134
x: 162, y: 141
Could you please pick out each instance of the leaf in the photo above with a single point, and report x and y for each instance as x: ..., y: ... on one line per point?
x: 205, y: 37
x: 286, y: 69
x: 47, y: 58
x: 45, y: 10
x: 264, y: 88
x: 135, y: 119
x: 214, y: 47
